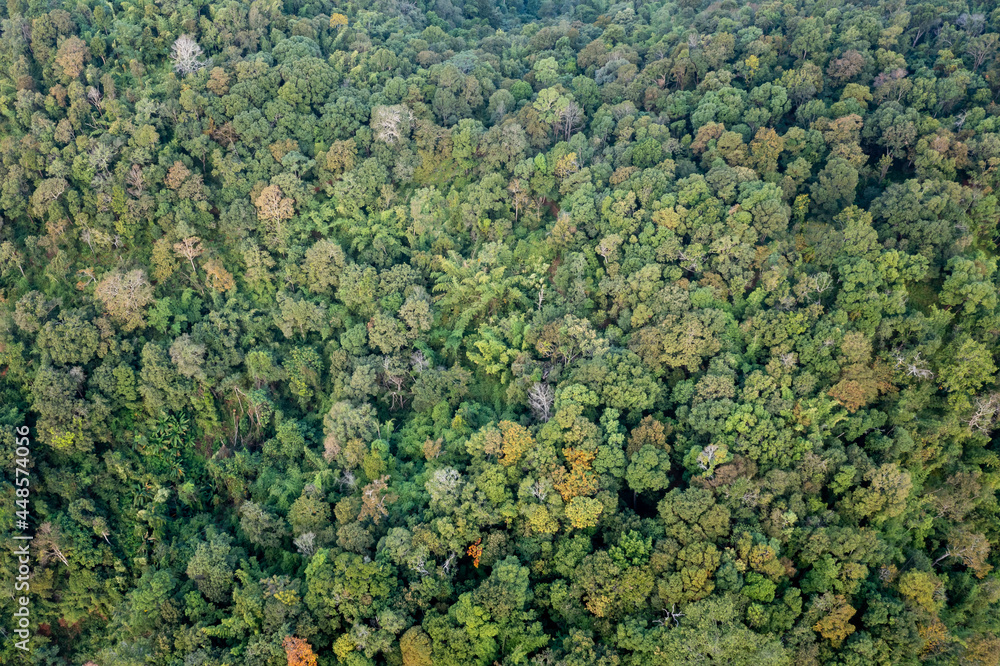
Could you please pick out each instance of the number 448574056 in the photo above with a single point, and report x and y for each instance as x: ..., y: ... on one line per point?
x: 22, y: 480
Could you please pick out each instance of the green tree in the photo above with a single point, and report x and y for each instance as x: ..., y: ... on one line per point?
x: 212, y: 564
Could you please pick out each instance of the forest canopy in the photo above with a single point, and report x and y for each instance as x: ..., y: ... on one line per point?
x: 416, y: 332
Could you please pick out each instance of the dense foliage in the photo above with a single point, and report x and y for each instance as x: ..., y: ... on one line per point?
x: 575, y: 333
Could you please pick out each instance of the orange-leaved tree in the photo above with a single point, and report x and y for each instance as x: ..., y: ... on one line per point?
x: 298, y: 651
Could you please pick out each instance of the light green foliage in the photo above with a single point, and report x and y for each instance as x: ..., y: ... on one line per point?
x: 211, y: 566
x: 648, y: 470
